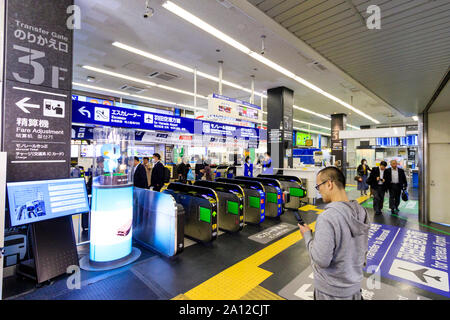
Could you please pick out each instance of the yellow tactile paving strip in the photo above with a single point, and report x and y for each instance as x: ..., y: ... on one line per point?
x: 243, y: 279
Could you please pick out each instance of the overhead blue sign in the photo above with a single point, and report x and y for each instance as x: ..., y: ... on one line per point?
x: 415, y: 257
x: 85, y: 112
x: 91, y: 113
x: 241, y: 102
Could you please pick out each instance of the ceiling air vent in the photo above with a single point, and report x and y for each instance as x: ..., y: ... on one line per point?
x: 163, y: 75
x: 132, y: 89
x: 317, y: 66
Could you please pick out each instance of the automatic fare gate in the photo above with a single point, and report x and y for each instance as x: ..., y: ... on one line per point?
x: 255, y: 195
x: 200, y: 208
x: 274, y: 195
x: 292, y: 185
x: 158, y: 222
x: 230, y: 214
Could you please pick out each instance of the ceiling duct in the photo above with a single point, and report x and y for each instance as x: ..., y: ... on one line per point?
x: 132, y: 89
x: 166, y: 76
x: 316, y: 65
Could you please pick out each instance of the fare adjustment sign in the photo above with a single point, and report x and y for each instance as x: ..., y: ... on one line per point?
x: 37, y: 89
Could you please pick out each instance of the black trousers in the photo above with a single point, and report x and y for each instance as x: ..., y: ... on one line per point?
x: 395, y: 192
x: 378, y: 198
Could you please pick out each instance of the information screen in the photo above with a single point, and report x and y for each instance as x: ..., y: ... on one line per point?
x: 34, y: 201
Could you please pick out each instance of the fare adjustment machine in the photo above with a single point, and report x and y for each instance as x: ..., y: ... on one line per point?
x: 111, y: 221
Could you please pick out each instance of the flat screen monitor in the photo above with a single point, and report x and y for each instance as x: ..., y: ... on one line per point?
x: 34, y: 201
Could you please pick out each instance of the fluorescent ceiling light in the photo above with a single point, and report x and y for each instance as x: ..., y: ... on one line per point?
x: 312, y: 124
x: 312, y: 112
x: 120, y: 93
x: 169, y: 5
x: 182, y: 67
x: 100, y: 88
x: 148, y: 83
x: 354, y: 127
x: 415, y: 118
x: 313, y: 131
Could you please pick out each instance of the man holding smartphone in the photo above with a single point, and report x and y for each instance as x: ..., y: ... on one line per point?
x: 377, y: 181
x: 339, y: 247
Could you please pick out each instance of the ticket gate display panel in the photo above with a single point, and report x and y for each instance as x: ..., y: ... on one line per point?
x: 200, y: 210
x: 293, y: 185
x: 255, y: 199
x: 274, y: 195
x: 231, y: 204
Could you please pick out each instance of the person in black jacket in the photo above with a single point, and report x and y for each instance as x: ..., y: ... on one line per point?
x: 396, y: 182
x: 199, y: 168
x: 363, y: 171
x: 377, y: 181
x: 157, y: 179
x: 139, y: 175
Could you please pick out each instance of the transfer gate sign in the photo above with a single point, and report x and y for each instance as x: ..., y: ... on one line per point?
x: 415, y: 257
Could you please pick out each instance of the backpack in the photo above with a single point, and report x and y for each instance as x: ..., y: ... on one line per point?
x: 166, y: 175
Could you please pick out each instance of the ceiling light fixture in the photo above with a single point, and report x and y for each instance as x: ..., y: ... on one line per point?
x: 169, y: 5
x: 181, y: 67
x: 312, y: 131
x: 120, y: 93
x: 415, y: 118
x: 312, y: 124
x: 149, y: 83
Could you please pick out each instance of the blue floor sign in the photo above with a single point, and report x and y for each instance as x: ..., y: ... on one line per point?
x: 416, y: 257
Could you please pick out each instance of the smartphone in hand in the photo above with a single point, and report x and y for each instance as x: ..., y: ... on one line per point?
x: 299, y: 218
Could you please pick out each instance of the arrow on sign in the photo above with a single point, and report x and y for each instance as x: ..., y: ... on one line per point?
x: 84, y: 112
x: 302, y: 293
x: 23, y: 105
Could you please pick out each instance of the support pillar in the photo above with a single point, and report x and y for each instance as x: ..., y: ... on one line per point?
x: 339, y: 146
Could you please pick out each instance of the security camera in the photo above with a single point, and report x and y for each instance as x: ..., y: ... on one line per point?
x: 148, y: 12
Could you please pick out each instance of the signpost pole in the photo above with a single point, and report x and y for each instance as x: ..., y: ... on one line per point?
x: 252, y: 96
x: 220, y: 76
x: 195, y: 87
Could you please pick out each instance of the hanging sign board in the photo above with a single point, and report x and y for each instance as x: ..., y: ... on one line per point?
x: 233, y: 108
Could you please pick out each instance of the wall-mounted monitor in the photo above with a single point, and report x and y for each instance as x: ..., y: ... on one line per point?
x: 34, y: 201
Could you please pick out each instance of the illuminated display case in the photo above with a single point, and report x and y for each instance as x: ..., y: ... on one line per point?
x: 111, y: 218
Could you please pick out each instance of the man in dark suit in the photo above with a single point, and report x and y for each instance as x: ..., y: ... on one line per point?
x: 377, y: 181
x: 157, y: 179
x: 396, y: 182
x: 139, y: 175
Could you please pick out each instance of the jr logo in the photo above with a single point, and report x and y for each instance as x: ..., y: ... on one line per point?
x: 374, y: 19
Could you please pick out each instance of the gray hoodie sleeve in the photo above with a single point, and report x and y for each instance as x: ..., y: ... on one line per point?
x: 321, y: 248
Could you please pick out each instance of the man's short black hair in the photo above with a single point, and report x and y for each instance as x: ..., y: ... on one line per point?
x: 333, y: 174
x: 146, y: 158
x: 137, y: 159
x: 268, y: 153
x: 157, y: 155
x: 383, y: 163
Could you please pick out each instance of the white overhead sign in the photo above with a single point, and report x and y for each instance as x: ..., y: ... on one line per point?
x: 373, y: 133
x: 234, y: 108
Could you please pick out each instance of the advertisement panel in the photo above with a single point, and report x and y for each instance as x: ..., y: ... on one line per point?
x: 233, y: 108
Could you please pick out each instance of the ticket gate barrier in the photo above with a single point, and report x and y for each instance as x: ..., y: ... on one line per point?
x: 225, y: 171
x: 293, y: 185
x: 158, y: 222
x: 200, y: 210
x: 274, y: 195
x: 255, y: 199
x: 230, y: 214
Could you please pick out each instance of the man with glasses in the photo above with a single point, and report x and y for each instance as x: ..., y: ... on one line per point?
x: 339, y: 246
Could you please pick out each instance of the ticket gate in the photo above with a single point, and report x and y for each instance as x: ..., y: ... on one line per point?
x: 274, y: 195
x: 158, y: 222
x: 200, y: 210
x: 293, y: 185
x: 254, y: 204
x: 225, y: 171
x: 230, y: 214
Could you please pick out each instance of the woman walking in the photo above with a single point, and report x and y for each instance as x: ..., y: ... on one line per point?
x: 363, y: 172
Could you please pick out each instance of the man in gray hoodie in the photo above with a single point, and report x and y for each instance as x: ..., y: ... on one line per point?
x: 338, y: 249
